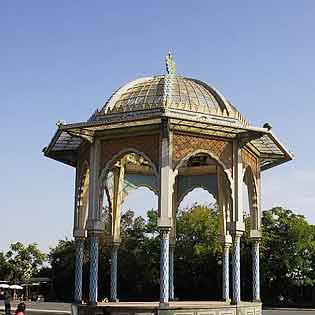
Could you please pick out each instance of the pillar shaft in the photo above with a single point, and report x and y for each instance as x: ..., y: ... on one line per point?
x: 236, y: 270
x: 79, y: 252
x: 171, y: 273
x: 93, y: 268
x: 256, y: 276
x: 226, y: 273
x: 113, y: 273
x: 164, y: 266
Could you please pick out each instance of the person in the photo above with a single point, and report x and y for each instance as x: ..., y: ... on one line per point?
x: 20, y: 309
x: 7, y: 302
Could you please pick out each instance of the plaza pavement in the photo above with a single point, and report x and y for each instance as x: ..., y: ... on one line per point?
x: 51, y: 308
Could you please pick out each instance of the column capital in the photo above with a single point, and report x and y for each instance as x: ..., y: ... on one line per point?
x: 94, y: 226
x: 79, y: 234
x: 226, y: 240
x: 93, y: 233
x: 255, y: 235
x: 164, y: 232
x: 114, y: 245
x: 236, y: 227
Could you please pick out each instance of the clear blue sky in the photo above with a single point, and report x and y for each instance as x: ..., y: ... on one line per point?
x: 63, y: 59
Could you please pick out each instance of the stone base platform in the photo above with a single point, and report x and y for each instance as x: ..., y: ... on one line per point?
x: 173, y: 308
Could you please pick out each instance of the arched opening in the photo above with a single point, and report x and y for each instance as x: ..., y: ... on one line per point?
x: 82, y: 198
x: 202, y: 195
x: 250, y: 212
x: 197, y: 250
x: 130, y: 183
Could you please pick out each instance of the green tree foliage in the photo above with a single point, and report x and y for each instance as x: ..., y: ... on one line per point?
x: 198, y: 253
x: 287, y: 258
x: 62, y: 260
x: 23, y: 261
x: 288, y: 249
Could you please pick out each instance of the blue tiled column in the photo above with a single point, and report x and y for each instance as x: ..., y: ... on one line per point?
x: 113, y: 273
x: 93, y: 268
x: 226, y: 273
x: 171, y: 273
x: 256, y: 277
x: 79, y: 252
x: 164, y: 265
x: 236, y: 269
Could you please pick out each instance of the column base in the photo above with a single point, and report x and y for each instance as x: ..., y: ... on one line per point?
x: 226, y: 300
x: 236, y: 303
x: 114, y: 300
x: 92, y: 303
x: 164, y: 304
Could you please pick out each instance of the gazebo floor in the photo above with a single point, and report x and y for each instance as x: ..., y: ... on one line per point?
x: 173, y: 308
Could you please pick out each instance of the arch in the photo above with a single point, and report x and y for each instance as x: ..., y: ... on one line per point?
x: 226, y: 171
x: 82, y: 196
x: 225, y: 209
x: 110, y: 163
x: 251, y: 184
x: 188, y: 191
x: 115, y: 198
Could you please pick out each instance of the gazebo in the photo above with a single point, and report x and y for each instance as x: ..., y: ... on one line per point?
x: 171, y: 134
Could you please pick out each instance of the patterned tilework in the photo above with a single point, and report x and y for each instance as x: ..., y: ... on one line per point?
x: 226, y: 274
x: 183, y: 145
x: 93, y: 268
x: 236, y: 266
x: 171, y: 269
x: 113, y: 273
x: 250, y: 160
x: 164, y: 266
x: 256, y: 277
x: 79, y: 245
x: 149, y: 145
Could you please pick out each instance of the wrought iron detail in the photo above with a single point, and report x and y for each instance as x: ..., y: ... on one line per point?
x: 164, y: 265
x: 236, y: 270
x: 256, y: 276
x: 93, y: 268
x: 79, y: 247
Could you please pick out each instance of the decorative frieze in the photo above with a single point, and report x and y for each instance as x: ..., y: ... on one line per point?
x: 183, y: 145
x: 148, y: 145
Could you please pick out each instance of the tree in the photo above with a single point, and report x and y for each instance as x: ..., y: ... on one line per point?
x: 24, y: 261
x: 288, y: 253
x: 62, y: 260
x: 198, y: 253
x: 5, y: 268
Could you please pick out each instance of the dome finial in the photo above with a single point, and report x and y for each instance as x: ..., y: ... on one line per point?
x: 169, y: 77
x: 170, y: 64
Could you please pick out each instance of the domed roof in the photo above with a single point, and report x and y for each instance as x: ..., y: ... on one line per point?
x: 172, y: 92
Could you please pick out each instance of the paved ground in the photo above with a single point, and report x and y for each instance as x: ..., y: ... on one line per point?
x: 288, y: 312
x: 50, y: 308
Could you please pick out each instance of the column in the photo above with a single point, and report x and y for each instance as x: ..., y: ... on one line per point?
x: 79, y: 249
x: 236, y: 269
x: 226, y: 273
x: 93, y: 268
x: 256, y: 277
x: 171, y: 272
x: 164, y: 265
x: 113, y: 273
